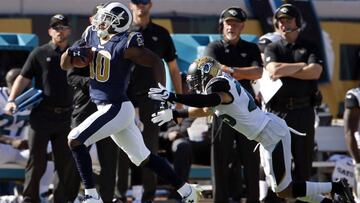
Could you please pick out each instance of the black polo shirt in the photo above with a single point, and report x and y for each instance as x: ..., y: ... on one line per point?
x: 300, y: 51
x: 158, y: 40
x: 243, y: 54
x: 43, y: 65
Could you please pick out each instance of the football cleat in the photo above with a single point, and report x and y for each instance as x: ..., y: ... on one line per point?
x: 90, y: 199
x: 195, y: 194
x: 344, y: 192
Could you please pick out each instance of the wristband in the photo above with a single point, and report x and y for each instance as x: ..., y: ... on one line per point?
x: 11, y: 101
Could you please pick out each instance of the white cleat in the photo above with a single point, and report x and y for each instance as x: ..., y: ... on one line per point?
x: 195, y: 194
x: 91, y: 199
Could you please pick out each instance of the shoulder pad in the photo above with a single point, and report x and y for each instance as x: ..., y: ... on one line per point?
x: 352, y: 98
x: 217, y: 84
x: 85, y: 34
x: 135, y: 39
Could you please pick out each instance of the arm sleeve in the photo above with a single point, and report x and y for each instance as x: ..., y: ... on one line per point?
x: 28, y: 69
x: 210, y: 99
x: 170, y: 53
x: 210, y: 50
x: 196, y: 100
x: 314, y: 56
x: 351, y: 101
x: 135, y: 40
x: 256, y: 56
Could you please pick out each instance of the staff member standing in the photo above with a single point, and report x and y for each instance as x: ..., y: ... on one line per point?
x: 158, y: 40
x: 242, y: 60
x: 50, y: 120
x: 297, y: 64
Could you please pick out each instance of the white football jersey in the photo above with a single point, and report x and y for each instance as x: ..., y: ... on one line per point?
x: 12, y: 125
x: 242, y: 114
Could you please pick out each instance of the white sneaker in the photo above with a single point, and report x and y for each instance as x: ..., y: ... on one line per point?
x: 195, y: 194
x: 91, y: 199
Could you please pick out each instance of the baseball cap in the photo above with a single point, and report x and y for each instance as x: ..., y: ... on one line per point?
x: 287, y: 11
x: 234, y: 13
x: 140, y: 1
x: 59, y: 19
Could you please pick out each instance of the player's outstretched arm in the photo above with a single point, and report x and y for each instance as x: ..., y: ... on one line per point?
x: 167, y: 115
x: 194, y: 100
x: 147, y: 58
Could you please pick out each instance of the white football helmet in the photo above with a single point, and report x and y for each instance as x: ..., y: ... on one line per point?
x: 112, y: 18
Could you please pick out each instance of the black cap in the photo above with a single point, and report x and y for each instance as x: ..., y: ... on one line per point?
x: 140, y: 1
x: 287, y: 11
x: 235, y: 13
x: 59, y: 19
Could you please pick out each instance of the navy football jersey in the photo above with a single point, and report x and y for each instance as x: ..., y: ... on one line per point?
x: 109, y: 70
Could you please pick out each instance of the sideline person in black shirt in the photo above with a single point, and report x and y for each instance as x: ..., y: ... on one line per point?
x: 158, y: 40
x: 50, y: 120
x: 297, y: 64
x: 242, y: 60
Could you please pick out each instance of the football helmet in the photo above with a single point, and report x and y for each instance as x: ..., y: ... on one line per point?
x: 200, y: 72
x: 111, y: 18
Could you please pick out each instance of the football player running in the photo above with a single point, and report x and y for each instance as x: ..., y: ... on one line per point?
x: 114, y: 50
x: 220, y: 94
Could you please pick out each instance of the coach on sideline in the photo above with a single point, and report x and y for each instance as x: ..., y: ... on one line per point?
x: 297, y: 64
x: 242, y: 60
x: 50, y: 120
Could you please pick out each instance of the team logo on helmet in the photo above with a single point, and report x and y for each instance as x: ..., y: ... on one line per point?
x: 201, y: 71
x: 112, y: 18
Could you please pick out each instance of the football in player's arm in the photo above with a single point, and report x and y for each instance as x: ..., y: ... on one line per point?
x: 136, y: 52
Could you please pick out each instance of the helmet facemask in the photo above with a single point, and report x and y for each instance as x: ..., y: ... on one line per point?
x: 117, y: 20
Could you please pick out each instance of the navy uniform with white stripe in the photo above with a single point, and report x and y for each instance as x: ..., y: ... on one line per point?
x: 114, y: 51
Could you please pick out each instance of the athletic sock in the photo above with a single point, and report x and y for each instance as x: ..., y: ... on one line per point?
x: 83, y: 162
x: 310, y: 189
x: 161, y: 167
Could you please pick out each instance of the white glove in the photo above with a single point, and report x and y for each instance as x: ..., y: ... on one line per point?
x: 162, y: 117
x: 159, y: 94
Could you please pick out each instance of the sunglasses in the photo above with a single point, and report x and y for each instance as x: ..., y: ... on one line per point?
x: 140, y: 1
x: 60, y: 27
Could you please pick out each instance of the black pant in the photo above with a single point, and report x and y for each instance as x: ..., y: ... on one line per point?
x: 302, y: 147
x: 151, y: 139
x: 45, y: 126
x: 229, y: 150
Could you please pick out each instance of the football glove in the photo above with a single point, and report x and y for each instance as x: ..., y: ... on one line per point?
x: 162, y: 117
x: 79, y: 51
x: 159, y: 94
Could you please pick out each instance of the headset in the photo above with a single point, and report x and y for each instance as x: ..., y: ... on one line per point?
x: 295, y: 13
